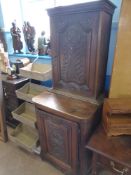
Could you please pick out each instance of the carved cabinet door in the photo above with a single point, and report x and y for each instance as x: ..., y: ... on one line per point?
x: 74, y: 45
x: 80, y: 36
x: 59, y: 141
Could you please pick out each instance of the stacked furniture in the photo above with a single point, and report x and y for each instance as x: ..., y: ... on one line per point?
x: 68, y: 114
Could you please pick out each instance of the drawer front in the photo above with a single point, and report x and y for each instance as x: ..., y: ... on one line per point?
x: 105, y: 166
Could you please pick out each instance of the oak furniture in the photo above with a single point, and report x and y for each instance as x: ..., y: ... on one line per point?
x: 11, y: 102
x: 117, y: 116
x: 111, y: 155
x: 65, y: 125
x: 80, y: 37
x: 68, y: 114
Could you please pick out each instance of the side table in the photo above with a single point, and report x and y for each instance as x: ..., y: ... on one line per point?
x: 111, y: 155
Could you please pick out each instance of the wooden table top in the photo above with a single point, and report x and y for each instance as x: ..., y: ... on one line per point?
x: 117, y: 148
x: 65, y: 106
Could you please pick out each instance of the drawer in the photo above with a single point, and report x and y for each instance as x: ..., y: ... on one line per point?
x: 105, y: 166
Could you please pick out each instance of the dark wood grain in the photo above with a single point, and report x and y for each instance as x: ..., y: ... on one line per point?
x: 105, y: 166
x: 66, y: 107
x: 79, y: 46
x: 59, y: 140
x: 116, y: 148
x: 65, y: 125
x: 117, y: 116
x: 116, y: 105
x: 79, y: 41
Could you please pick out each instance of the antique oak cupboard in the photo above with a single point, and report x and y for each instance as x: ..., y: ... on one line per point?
x: 67, y: 115
x: 79, y: 45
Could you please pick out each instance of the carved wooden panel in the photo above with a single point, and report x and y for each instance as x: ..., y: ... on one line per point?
x: 79, y: 44
x: 57, y: 141
x: 60, y: 142
x: 73, y: 49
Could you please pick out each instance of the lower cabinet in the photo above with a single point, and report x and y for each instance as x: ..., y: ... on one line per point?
x: 65, y: 125
x: 59, y: 139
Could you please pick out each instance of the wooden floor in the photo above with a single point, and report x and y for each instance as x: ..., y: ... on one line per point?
x: 15, y: 161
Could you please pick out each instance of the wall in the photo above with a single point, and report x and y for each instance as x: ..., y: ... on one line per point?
x: 121, y: 75
x: 1, y: 18
x: 112, y: 45
x: 113, y: 35
x: 9, y: 12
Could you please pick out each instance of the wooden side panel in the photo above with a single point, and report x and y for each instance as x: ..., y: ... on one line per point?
x: 102, y: 50
x: 3, y: 130
x: 121, y: 76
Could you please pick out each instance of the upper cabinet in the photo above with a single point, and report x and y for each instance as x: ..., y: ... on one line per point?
x: 80, y: 40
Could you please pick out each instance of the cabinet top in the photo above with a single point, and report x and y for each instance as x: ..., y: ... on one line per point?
x: 64, y: 106
x: 101, y: 5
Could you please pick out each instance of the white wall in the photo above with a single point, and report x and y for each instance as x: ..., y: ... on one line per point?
x: 11, y: 11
